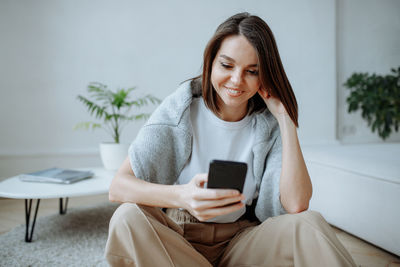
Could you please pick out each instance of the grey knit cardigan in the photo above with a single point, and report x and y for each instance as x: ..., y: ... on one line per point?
x: 163, y: 146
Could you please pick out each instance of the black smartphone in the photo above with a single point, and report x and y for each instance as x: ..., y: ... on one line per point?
x: 227, y: 174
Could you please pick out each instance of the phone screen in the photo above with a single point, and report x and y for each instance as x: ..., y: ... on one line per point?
x: 227, y: 174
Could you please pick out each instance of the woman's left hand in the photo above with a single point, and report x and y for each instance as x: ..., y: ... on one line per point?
x: 295, y: 185
x: 274, y: 105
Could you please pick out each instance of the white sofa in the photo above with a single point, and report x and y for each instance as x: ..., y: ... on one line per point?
x: 357, y: 189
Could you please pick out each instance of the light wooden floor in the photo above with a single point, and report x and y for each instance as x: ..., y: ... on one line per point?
x: 12, y: 214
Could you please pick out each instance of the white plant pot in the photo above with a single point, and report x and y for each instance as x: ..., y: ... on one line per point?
x: 112, y: 155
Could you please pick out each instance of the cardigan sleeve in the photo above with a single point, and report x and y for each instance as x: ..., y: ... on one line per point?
x: 163, y: 145
x: 159, y: 152
x: 269, y: 204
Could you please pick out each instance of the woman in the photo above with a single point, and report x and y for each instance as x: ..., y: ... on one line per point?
x: 242, y: 108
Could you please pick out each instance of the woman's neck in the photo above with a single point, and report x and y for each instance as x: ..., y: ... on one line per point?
x: 232, y: 113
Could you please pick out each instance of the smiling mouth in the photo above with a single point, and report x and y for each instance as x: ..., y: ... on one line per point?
x: 233, y: 92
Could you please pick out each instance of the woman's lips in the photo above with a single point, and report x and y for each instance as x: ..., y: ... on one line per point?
x: 233, y: 92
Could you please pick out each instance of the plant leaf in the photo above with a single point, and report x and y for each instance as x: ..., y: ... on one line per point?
x: 87, y: 126
x: 378, y: 98
x: 113, y: 107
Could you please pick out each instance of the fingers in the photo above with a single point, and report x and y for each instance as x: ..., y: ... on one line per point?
x: 206, y: 203
x: 215, y: 194
x: 206, y: 209
x: 264, y: 93
x: 211, y: 213
x: 210, y: 204
x: 199, y: 180
x: 205, y: 193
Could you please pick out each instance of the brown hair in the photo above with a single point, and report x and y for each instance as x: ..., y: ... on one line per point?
x: 271, y: 73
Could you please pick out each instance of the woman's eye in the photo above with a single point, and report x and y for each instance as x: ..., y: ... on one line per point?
x: 253, y: 72
x: 226, y: 66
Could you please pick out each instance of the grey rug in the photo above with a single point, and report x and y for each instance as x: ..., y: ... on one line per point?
x: 77, y: 238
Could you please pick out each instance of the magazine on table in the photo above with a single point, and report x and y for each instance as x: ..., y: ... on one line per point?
x: 56, y: 175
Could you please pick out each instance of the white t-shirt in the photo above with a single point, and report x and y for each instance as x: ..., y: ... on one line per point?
x: 214, y: 138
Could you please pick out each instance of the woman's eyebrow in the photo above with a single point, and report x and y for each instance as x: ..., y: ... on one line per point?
x: 232, y: 60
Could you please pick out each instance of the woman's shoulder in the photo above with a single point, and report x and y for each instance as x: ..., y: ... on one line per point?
x: 266, y: 126
x: 173, y: 107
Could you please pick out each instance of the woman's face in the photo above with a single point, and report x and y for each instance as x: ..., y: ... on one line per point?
x: 234, y: 76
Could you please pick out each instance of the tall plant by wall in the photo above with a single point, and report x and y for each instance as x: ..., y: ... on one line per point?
x: 378, y: 98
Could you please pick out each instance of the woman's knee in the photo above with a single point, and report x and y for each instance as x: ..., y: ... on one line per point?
x: 312, y: 220
x: 310, y: 216
x: 306, y: 218
x: 125, y: 215
x: 128, y: 214
x: 125, y: 210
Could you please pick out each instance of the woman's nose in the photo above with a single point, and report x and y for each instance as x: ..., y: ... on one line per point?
x: 236, y: 78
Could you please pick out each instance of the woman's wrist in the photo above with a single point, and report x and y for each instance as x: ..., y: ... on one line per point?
x: 284, y: 120
x: 177, y: 199
x: 287, y: 128
x: 160, y: 195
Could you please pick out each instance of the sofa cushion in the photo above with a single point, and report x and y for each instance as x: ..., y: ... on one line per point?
x: 357, y: 188
x: 377, y: 161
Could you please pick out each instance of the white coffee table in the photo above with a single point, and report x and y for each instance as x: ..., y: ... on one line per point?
x: 14, y: 188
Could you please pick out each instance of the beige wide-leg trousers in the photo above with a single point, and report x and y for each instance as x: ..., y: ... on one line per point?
x: 146, y: 236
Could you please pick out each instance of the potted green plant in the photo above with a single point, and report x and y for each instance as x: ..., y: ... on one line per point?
x: 378, y: 97
x: 114, y: 110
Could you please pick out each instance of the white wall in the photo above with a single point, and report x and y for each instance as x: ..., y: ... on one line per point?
x: 368, y: 41
x: 50, y: 50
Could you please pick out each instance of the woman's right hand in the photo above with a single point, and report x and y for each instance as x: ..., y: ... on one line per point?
x: 205, y: 203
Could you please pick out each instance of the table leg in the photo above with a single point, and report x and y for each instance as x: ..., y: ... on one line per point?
x: 28, y: 206
x: 63, y: 210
